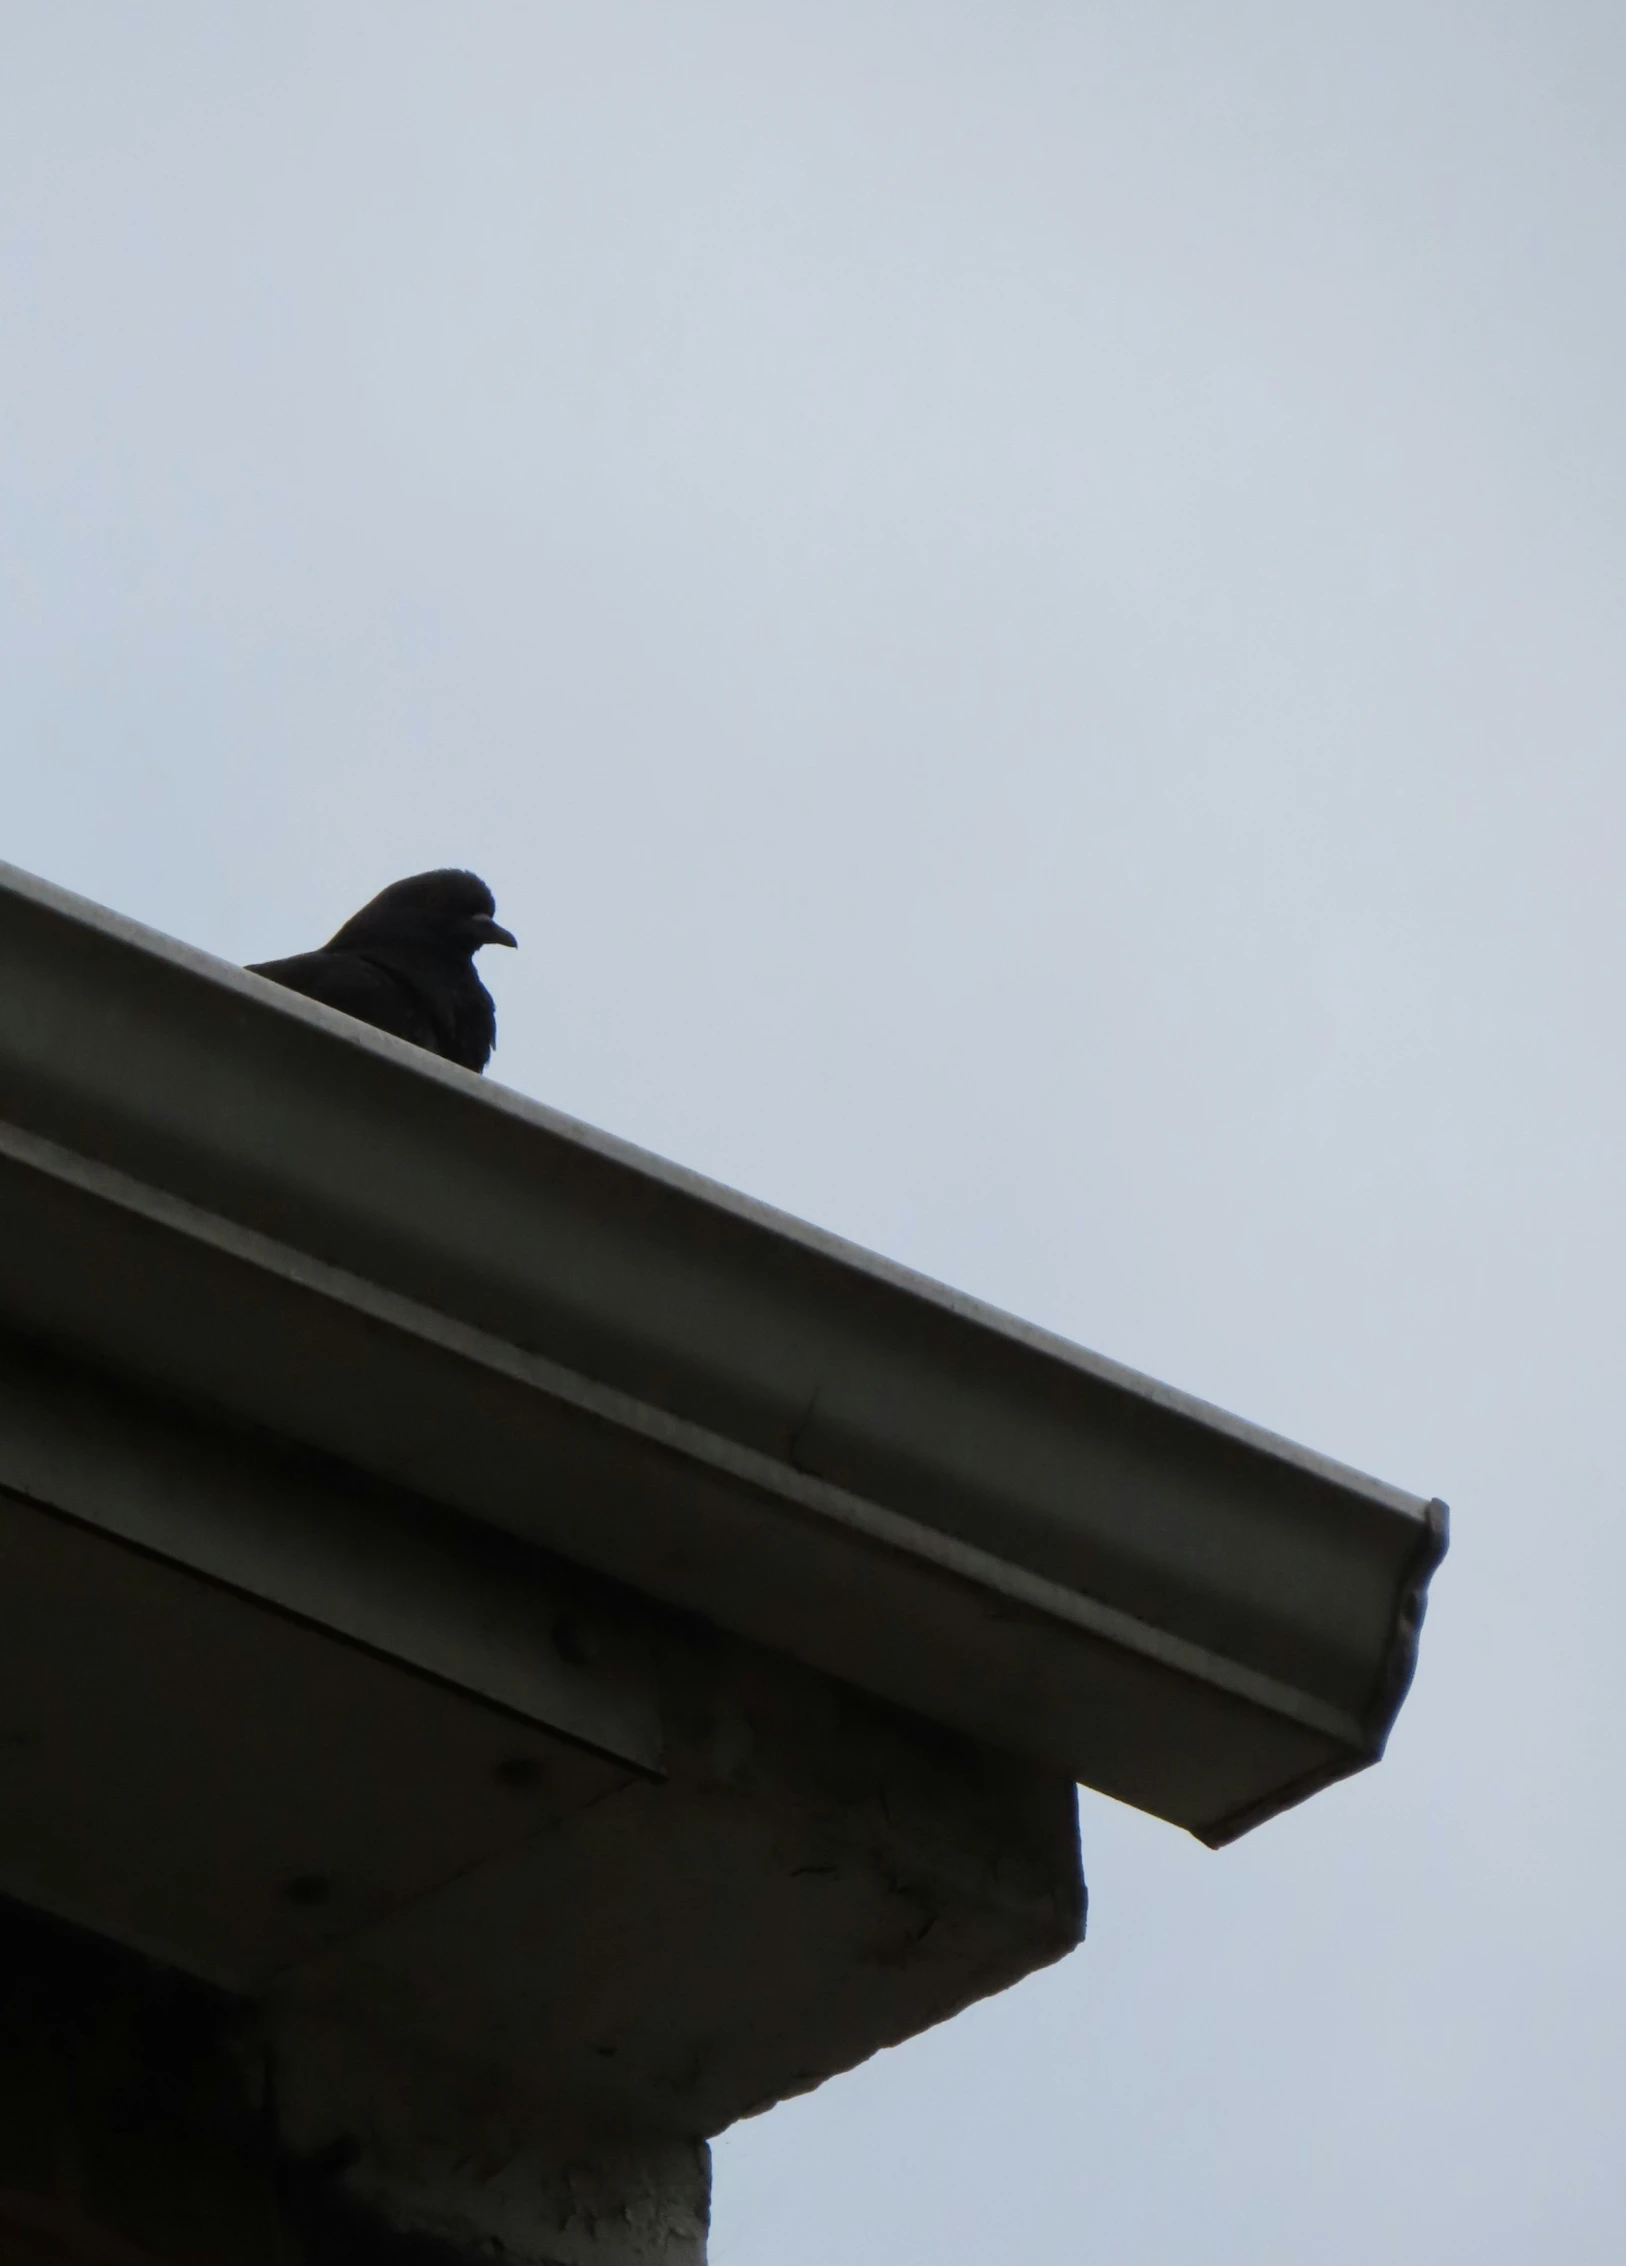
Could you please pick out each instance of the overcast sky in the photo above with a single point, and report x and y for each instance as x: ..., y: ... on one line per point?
x: 1023, y: 605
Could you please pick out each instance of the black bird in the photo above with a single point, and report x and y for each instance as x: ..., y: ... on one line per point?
x: 405, y: 963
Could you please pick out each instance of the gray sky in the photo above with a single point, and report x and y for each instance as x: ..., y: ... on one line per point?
x: 1023, y: 605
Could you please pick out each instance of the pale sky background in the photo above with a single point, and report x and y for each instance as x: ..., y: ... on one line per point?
x: 1023, y: 605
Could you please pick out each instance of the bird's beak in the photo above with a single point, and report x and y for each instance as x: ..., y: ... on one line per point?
x: 491, y: 932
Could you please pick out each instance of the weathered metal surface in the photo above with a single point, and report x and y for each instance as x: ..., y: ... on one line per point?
x: 240, y: 1196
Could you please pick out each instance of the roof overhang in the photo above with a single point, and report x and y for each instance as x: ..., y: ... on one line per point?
x: 251, y: 1201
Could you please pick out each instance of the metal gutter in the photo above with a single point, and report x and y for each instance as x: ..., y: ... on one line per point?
x: 248, y: 1199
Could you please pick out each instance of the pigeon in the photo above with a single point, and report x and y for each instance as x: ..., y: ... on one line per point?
x: 405, y: 964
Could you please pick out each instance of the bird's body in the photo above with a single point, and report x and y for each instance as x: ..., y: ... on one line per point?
x: 405, y: 964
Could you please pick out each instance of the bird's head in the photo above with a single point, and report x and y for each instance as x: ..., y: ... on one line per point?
x: 447, y: 916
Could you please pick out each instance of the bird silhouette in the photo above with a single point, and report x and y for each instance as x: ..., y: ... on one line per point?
x: 405, y: 964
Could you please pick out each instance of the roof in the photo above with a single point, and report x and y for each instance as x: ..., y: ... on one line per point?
x: 254, y: 1202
